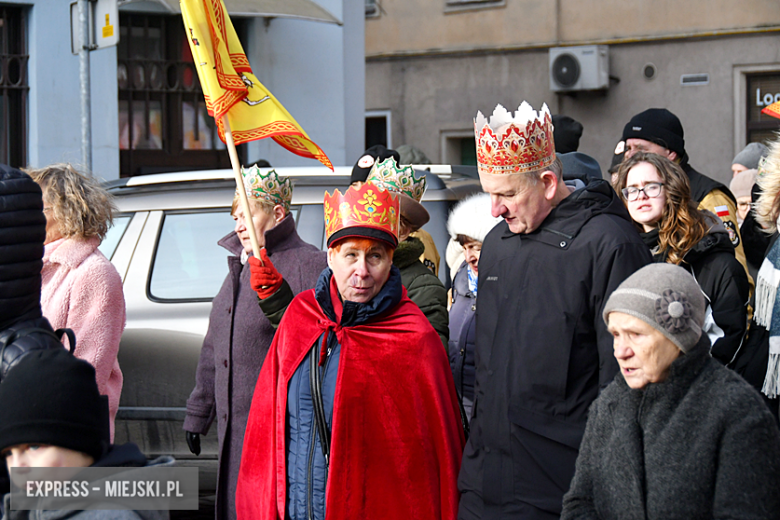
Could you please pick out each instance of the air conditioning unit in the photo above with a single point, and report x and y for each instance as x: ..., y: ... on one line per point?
x: 579, y: 68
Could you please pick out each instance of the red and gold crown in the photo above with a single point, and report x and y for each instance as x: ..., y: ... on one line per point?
x: 519, y: 144
x: 366, y: 210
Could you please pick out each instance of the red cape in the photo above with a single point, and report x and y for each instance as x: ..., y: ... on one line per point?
x: 397, y: 438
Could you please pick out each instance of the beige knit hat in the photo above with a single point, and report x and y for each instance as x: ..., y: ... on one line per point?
x: 743, y: 182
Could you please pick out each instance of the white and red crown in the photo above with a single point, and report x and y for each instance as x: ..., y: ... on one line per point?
x: 509, y: 144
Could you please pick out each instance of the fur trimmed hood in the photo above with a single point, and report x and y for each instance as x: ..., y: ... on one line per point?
x: 769, y: 182
x: 471, y: 217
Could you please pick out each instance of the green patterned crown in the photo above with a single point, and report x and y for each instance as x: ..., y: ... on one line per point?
x: 399, y: 179
x: 269, y: 186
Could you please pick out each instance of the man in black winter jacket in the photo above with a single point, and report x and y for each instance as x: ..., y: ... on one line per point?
x: 542, y: 350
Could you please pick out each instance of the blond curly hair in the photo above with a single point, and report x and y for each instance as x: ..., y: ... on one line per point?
x: 768, y: 204
x: 80, y: 205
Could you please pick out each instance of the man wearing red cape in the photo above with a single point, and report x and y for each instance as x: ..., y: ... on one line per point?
x: 355, y: 413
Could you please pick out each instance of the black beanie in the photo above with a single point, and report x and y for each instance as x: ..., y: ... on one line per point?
x: 51, y: 397
x: 566, y: 134
x: 22, y: 232
x: 373, y: 155
x: 658, y: 126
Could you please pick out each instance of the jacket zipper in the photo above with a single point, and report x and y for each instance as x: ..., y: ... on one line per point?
x: 310, y: 472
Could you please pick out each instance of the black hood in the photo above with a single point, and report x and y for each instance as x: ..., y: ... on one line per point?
x: 716, y: 241
x: 567, y: 219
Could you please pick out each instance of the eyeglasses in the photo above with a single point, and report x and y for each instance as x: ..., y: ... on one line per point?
x: 651, y: 190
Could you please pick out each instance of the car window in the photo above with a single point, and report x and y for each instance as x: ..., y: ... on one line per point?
x: 188, y: 263
x: 114, y: 235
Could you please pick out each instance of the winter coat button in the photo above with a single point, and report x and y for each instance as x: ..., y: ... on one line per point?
x: 490, y: 372
x: 563, y: 243
x: 474, y: 307
x: 225, y: 363
x: 230, y: 309
x: 487, y: 449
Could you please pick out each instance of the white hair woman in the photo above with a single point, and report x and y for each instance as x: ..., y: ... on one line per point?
x: 468, y: 225
x: 81, y: 290
x: 676, y: 434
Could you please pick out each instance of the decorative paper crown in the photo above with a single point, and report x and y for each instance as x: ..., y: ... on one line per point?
x: 400, y: 179
x: 267, y: 186
x: 519, y: 144
x: 368, y: 211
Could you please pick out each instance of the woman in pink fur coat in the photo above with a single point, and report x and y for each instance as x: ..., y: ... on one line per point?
x: 81, y: 289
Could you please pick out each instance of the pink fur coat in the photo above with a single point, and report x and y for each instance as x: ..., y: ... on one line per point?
x: 82, y: 291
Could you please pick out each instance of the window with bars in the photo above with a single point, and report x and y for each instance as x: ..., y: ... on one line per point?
x: 163, y: 122
x: 13, y: 86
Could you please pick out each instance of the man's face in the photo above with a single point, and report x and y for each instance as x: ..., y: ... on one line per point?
x: 263, y: 221
x: 737, y: 168
x: 44, y: 456
x: 360, y: 267
x: 523, y: 204
x: 640, y: 145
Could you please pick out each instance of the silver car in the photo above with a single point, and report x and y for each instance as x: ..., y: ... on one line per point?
x: 164, y: 245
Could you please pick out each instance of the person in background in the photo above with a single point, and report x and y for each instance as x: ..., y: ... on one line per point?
x: 676, y: 435
x: 355, y: 413
x: 81, y: 289
x: 468, y: 225
x: 62, y: 421
x: 657, y: 130
x: 566, y: 133
x: 656, y: 192
x: 617, y: 159
x: 542, y: 352
x: 411, y: 155
x: 741, y: 186
x: 748, y: 158
x: 239, y: 333
x: 755, y: 240
x: 423, y: 287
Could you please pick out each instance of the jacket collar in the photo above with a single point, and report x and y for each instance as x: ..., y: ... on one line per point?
x: 281, y: 237
x: 70, y: 252
x: 567, y: 219
x: 353, y: 313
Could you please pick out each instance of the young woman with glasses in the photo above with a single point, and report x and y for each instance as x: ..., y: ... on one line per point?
x: 657, y: 193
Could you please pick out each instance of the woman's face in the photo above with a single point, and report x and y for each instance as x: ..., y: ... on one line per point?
x: 645, y: 210
x: 53, y: 231
x: 643, y: 353
x: 471, y: 251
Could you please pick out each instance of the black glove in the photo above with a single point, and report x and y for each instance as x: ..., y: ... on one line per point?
x: 193, y: 442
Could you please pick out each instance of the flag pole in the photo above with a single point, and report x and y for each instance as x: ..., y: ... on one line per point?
x: 231, y: 146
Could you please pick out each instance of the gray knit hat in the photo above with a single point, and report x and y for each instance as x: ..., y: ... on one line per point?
x: 667, y: 298
x: 750, y: 156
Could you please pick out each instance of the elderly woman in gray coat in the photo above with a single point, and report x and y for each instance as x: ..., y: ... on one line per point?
x: 239, y: 334
x: 676, y: 435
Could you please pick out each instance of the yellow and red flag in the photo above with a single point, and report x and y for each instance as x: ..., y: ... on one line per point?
x: 772, y: 110
x: 230, y: 87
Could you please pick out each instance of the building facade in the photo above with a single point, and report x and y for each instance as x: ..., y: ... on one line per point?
x: 431, y: 64
x: 148, y: 113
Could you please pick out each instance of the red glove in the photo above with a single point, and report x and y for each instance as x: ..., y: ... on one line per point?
x: 264, y: 278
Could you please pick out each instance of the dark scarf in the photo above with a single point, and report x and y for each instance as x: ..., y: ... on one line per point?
x: 408, y: 252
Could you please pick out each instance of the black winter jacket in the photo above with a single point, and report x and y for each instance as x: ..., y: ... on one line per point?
x: 463, y: 332
x: 699, y: 445
x: 543, y: 351
x: 422, y: 286
x: 724, y: 283
x: 22, y: 232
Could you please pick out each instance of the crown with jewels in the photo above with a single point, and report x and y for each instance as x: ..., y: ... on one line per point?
x: 401, y: 179
x: 268, y: 186
x: 366, y: 206
x: 509, y: 144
